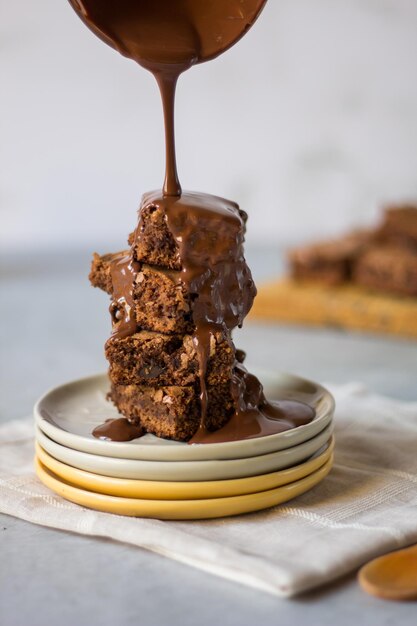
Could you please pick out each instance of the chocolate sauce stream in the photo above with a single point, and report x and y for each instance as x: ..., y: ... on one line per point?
x: 167, y: 83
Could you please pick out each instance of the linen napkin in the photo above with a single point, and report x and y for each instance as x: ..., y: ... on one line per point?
x: 365, y: 507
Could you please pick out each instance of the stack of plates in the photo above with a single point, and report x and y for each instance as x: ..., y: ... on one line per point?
x: 151, y: 477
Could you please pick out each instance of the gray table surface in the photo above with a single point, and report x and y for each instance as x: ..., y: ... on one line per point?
x: 54, y: 326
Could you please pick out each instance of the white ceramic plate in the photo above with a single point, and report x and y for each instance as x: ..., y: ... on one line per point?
x: 69, y: 413
x: 185, y: 470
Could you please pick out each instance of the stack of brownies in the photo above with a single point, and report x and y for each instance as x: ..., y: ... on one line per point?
x: 154, y: 368
x: 381, y: 259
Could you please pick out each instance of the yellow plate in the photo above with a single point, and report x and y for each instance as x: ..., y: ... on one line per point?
x: 159, y: 490
x: 181, y: 509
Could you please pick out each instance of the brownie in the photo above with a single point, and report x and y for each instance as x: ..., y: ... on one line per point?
x: 162, y: 303
x: 329, y: 262
x: 156, y: 245
x: 170, y: 411
x: 100, y: 275
x: 399, y: 225
x: 149, y: 358
x: 388, y: 268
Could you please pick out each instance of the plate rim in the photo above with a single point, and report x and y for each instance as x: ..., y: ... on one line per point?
x: 225, y: 450
x: 227, y: 487
x: 172, y: 507
x: 165, y: 470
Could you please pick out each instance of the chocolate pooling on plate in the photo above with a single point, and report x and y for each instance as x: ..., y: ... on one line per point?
x: 254, y: 416
x: 167, y: 37
x: 118, y: 429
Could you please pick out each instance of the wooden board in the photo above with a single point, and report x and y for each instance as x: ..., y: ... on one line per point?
x: 346, y: 306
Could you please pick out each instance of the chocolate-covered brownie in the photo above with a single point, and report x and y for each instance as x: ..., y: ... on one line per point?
x: 161, y: 301
x: 172, y: 412
x: 153, y: 243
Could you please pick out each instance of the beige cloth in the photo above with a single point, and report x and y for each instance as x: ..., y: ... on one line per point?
x: 365, y: 507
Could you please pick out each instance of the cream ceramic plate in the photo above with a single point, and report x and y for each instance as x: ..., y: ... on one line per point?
x: 189, y: 471
x: 69, y: 413
x: 149, y: 489
x: 181, y: 509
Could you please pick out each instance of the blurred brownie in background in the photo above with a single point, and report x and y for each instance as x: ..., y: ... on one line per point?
x: 388, y: 268
x: 329, y: 262
x: 399, y: 225
x: 381, y: 259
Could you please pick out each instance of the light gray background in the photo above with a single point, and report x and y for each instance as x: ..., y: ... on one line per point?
x: 310, y: 123
x: 54, y: 327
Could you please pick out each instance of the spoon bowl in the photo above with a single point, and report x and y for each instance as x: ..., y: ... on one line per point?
x: 169, y: 32
x: 392, y: 576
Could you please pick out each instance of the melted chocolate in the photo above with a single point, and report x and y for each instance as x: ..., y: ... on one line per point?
x: 160, y: 33
x: 118, y: 429
x: 167, y: 38
x: 123, y: 270
x: 254, y: 415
